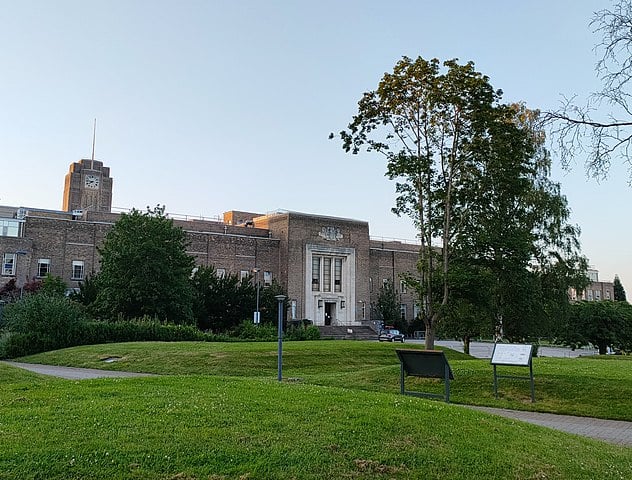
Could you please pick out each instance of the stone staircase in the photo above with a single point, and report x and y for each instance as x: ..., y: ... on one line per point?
x: 347, y: 332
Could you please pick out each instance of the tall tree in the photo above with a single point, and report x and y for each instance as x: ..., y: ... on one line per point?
x: 424, y: 120
x: 145, y: 269
x: 586, y: 128
x: 387, y: 306
x: 515, y: 227
x: 619, y: 292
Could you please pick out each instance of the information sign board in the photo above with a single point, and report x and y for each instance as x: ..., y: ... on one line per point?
x: 511, y: 354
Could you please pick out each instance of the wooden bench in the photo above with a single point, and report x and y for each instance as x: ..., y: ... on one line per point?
x: 428, y: 364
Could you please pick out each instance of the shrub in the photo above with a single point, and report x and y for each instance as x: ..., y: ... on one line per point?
x: 41, y: 322
x: 303, y: 333
x: 261, y: 333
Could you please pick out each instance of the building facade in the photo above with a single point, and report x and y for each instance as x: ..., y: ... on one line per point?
x: 330, y: 267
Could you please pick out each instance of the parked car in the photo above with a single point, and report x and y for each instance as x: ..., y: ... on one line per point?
x: 391, y: 335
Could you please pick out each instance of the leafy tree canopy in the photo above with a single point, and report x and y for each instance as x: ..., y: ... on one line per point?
x: 145, y: 269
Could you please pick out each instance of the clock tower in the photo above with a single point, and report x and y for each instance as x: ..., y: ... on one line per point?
x: 88, y: 187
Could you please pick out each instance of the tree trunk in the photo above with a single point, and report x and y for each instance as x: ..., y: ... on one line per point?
x: 603, y: 349
x: 466, y: 345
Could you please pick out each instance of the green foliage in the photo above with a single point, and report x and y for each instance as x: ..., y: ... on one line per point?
x: 144, y: 330
x: 601, y: 323
x: 387, y: 306
x: 53, y: 286
x: 473, y: 175
x: 247, y: 330
x: 619, y: 292
x: 87, y: 293
x: 145, y: 270
x: 221, y: 303
x: 300, y: 333
x: 41, y: 322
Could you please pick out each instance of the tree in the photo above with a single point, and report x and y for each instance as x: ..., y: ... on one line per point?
x: 602, y: 323
x: 424, y: 121
x: 387, y: 306
x: 619, y: 292
x: 515, y: 255
x: 579, y: 129
x: 145, y: 269
x: 221, y: 302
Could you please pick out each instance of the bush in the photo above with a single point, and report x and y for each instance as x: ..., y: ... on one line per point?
x: 302, y: 333
x: 41, y: 322
x: 261, y: 333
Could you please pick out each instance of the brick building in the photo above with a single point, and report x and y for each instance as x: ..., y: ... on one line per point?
x: 330, y: 267
x: 596, y: 290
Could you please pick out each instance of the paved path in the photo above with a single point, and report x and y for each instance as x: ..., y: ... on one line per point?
x: 611, y: 431
x: 72, y: 373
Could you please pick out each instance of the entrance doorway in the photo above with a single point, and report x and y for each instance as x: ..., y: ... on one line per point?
x: 330, y: 313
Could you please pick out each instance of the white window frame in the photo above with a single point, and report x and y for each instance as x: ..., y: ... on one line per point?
x: 78, y: 264
x: 8, y: 264
x: 403, y: 311
x: 403, y: 288
x: 41, y: 262
x: 220, y: 272
x: 244, y: 274
x: 267, y: 279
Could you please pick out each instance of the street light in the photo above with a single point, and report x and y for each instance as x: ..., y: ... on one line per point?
x: 257, y: 318
x: 280, y: 299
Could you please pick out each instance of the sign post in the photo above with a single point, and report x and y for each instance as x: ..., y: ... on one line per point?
x: 516, y: 355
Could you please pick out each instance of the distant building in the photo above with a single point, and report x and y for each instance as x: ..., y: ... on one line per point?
x: 330, y: 267
x: 596, y: 290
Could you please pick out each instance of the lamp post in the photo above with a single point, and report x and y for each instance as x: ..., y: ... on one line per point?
x: 280, y: 299
x: 257, y: 318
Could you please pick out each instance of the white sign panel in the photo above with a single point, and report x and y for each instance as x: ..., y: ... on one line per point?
x: 511, y: 354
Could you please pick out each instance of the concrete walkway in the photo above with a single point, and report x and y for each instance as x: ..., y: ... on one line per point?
x: 72, y: 373
x: 612, y: 431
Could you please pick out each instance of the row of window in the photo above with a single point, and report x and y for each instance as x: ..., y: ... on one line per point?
x: 244, y: 274
x: 326, y: 274
x: 9, y: 262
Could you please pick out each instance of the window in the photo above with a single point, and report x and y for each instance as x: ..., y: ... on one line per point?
x: 402, y: 311
x: 326, y: 274
x: 221, y: 272
x: 77, y: 269
x: 244, y: 274
x: 597, y: 295
x: 607, y: 294
x: 8, y: 264
x: 267, y: 279
x: 315, y: 274
x: 384, y: 282
x: 589, y: 295
x: 9, y: 228
x: 403, y: 287
x: 337, y: 274
x: 43, y: 267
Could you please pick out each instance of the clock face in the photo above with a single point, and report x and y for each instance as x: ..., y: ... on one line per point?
x: 92, y: 181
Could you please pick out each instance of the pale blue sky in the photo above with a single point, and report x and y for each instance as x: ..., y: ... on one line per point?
x: 208, y: 106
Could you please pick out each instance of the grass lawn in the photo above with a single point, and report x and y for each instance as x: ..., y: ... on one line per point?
x: 218, y: 412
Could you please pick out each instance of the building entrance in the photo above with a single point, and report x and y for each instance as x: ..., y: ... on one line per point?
x: 330, y: 313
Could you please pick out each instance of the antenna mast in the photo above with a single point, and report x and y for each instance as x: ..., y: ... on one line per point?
x: 94, y: 137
